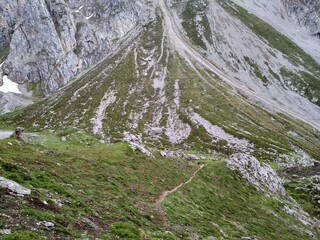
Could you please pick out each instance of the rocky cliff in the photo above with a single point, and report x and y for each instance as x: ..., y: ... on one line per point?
x: 51, y: 41
x: 306, y: 13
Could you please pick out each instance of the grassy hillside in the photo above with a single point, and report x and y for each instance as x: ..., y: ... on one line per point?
x: 109, y: 191
x: 91, y: 189
x: 112, y: 186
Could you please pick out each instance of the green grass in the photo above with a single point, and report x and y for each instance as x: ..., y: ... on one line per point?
x: 117, y: 188
x: 125, y: 230
x: 109, y: 180
x: 257, y: 71
x: 219, y: 203
x: 4, y: 52
x: 301, y: 192
x: 192, y: 10
x: 21, y: 235
x: 305, y: 82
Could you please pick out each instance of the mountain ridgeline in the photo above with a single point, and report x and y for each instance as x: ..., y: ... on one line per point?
x: 162, y: 119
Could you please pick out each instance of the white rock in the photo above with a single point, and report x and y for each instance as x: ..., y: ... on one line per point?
x: 63, y: 139
x: 5, y: 231
x: 260, y: 175
x: 16, y: 188
x: 48, y: 225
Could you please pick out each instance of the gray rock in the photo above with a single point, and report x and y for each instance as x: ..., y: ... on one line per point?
x: 306, y: 13
x: 169, y: 154
x: 260, y: 175
x: 52, y: 41
x: 63, y: 139
x: 5, y: 231
x: 47, y: 225
x: 14, y: 187
x: 20, y: 135
x: 155, y: 131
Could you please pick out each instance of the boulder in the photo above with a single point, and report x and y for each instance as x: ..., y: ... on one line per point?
x: 20, y: 135
x: 47, y: 225
x: 14, y: 187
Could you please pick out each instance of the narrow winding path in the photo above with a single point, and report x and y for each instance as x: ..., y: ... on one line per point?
x: 164, y: 194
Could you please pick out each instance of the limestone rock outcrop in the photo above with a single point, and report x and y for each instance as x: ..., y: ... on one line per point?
x: 306, y: 13
x: 260, y: 175
x: 52, y: 41
x: 14, y: 187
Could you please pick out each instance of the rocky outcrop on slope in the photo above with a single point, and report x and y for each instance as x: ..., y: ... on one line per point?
x: 51, y: 41
x: 260, y: 175
x: 306, y: 13
x: 14, y: 187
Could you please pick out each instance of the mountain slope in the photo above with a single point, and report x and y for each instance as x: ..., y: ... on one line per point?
x: 198, y: 81
x: 109, y: 191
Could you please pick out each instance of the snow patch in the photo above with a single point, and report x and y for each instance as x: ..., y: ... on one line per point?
x: 9, y: 86
x: 89, y: 16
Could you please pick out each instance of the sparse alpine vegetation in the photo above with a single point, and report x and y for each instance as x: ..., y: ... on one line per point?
x: 202, y: 105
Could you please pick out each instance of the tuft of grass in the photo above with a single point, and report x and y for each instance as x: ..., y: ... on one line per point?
x: 22, y: 235
x: 4, y: 52
x: 257, y: 71
x: 304, y: 83
x: 125, y: 230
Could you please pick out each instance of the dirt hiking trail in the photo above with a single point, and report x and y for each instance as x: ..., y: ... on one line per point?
x: 159, y: 209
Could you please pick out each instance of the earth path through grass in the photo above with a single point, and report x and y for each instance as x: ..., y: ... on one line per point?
x: 164, y: 194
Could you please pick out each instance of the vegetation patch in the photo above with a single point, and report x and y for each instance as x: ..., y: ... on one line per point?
x: 196, y: 23
x: 4, y: 52
x: 257, y: 71
x: 219, y: 203
x: 109, y: 184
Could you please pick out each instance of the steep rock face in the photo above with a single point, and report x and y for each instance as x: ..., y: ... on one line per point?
x: 41, y: 44
x: 52, y: 41
x: 101, y: 24
x: 7, y: 22
x: 306, y: 13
